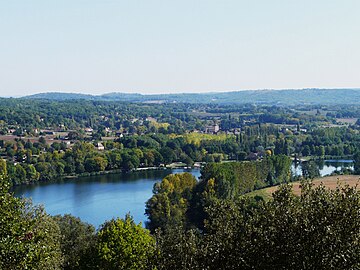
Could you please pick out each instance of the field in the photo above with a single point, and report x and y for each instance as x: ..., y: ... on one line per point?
x: 49, y: 138
x: 349, y: 121
x: 329, y: 181
x: 196, y: 138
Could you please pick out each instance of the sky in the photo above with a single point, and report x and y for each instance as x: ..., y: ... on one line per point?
x: 171, y: 46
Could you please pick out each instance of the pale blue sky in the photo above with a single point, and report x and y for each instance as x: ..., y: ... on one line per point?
x: 154, y: 46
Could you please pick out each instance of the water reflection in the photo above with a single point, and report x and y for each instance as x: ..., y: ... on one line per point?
x: 98, y: 198
x: 326, y: 167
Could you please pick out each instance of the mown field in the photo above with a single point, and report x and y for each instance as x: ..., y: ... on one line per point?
x: 330, y: 182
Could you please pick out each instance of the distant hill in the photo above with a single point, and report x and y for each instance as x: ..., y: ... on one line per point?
x: 290, y: 97
x: 60, y: 96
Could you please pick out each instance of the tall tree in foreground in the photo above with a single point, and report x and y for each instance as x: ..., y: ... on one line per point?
x: 77, y: 242
x: 122, y: 244
x: 29, y: 238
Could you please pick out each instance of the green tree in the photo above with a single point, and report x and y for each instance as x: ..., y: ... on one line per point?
x: 280, y: 168
x: 122, y: 244
x: 168, y: 206
x: 29, y: 238
x: 317, y: 230
x: 95, y: 164
x: 77, y: 242
x: 310, y: 169
x: 167, y: 154
x: 179, y: 249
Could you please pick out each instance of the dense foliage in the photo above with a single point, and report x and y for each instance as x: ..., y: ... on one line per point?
x: 179, y: 200
x: 318, y: 230
x: 77, y: 242
x: 235, y: 178
x: 29, y: 238
x: 122, y: 244
x: 170, y: 202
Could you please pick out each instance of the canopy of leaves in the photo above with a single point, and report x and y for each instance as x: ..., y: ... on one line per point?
x: 77, y: 242
x: 317, y: 230
x: 122, y: 244
x: 29, y: 239
x: 168, y: 205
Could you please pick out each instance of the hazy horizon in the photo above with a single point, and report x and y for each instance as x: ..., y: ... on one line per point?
x: 177, y: 93
x: 159, y: 47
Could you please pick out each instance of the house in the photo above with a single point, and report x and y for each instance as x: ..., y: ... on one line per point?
x: 68, y: 144
x: 213, y: 129
x: 119, y: 134
x: 88, y: 130
x: 100, y: 146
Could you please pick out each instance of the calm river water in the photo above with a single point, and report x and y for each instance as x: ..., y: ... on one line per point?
x: 96, y: 199
x: 326, y: 167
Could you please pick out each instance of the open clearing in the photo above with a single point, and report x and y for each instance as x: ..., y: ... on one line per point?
x: 350, y: 121
x: 328, y: 181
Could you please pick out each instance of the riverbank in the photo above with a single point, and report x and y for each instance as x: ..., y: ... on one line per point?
x: 348, y: 158
x: 117, y: 171
x: 174, y: 165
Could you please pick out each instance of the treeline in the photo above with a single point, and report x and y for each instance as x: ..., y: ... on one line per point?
x: 297, y: 97
x: 319, y: 142
x: 236, y: 178
x: 27, y: 115
x: 30, y: 162
x: 138, y: 118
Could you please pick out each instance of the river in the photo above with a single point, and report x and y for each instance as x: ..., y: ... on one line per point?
x: 96, y: 199
x: 326, y: 167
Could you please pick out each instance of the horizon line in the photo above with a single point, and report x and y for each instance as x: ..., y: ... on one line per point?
x: 180, y: 93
